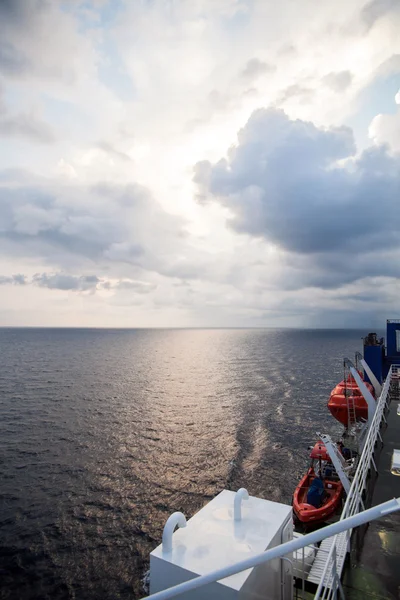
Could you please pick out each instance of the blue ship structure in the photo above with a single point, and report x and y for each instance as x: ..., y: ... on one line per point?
x: 380, y: 357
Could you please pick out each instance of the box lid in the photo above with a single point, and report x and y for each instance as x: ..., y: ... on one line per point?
x: 212, y: 538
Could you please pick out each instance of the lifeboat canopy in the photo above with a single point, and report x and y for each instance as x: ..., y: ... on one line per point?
x: 319, y: 451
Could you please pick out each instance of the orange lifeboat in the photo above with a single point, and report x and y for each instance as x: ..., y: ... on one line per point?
x: 348, y: 393
x: 317, y: 498
x: 309, y: 514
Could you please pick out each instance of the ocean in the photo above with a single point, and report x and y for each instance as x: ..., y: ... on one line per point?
x: 105, y: 433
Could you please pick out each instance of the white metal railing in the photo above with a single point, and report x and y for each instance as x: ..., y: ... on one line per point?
x: 327, y: 588
x: 281, y: 551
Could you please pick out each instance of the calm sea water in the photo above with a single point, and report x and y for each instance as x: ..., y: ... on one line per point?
x: 104, y: 433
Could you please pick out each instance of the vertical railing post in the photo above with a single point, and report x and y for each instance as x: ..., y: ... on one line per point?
x: 334, y: 571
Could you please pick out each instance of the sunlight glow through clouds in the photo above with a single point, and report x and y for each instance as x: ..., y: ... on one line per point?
x: 129, y: 153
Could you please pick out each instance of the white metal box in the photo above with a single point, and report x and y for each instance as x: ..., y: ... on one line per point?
x: 212, y: 539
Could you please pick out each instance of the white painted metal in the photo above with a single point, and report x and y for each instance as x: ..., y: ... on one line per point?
x: 370, y: 400
x: 282, y: 550
x: 333, y: 568
x: 395, y: 466
x: 240, y: 495
x: 213, y: 539
x: 325, y: 548
x: 337, y: 459
x: 361, y: 435
x: 303, y: 559
x: 177, y: 519
x: 371, y: 377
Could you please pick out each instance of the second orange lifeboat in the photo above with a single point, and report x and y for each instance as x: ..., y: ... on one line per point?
x: 319, y: 492
x: 345, y: 394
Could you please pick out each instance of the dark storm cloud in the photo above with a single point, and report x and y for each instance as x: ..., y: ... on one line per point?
x: 282, y: 182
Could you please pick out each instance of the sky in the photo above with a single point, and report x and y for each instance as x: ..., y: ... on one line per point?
x: 195, y: 163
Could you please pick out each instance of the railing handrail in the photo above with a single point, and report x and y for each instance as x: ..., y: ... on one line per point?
x: 353, y: 499
x: 282, y: 550
x: 369, y: 444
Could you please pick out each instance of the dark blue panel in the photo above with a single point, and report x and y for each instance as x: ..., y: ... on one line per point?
x: 391, y: 328
x: 374, y: 357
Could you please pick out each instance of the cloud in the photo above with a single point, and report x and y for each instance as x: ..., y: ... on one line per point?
x: 62, y: 281
x: 333, y: 270
x: 375, y: 10
x: 285, y: 182
x: 14, y: 15
x: 26, y: 125
x: 287, y: 50
x: 139, y: 287
x: 39, y: 39
x: 299, y: 92
x: 71, y: 225
x: 254, y: 68
x: 338, y: 82
x: 23, y: 124
x: 385, y: 129
x: 109, y: 149
x: 110, y: 196
x: 17, y: 279
x: 11, y: 61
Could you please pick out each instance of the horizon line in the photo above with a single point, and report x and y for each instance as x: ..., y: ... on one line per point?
x: 203, y: 327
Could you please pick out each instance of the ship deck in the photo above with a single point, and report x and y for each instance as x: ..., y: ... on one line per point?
x: 373, y: 570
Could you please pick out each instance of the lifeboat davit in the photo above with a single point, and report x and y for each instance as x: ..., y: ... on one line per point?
x: 317, y: 496
x: 348, y: 393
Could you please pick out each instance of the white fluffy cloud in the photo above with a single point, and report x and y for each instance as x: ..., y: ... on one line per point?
x: 385, y: 129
